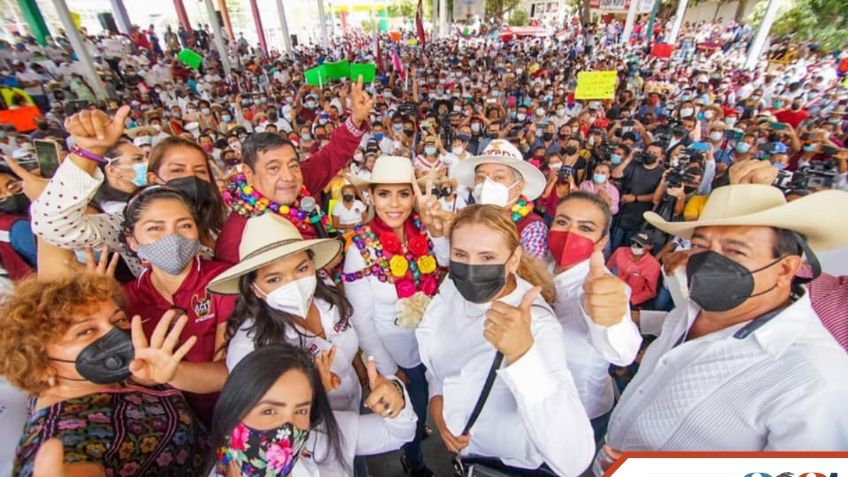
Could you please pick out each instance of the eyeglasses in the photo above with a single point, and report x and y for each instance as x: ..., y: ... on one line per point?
x: 11, y: 188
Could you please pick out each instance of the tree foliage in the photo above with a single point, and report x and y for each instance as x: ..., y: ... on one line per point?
x: 518, y: 17
x: 497, y: 9
x: 824, y: 22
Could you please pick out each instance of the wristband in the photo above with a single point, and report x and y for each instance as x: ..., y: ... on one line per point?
x: 399, y: 387
x: 76, y: 150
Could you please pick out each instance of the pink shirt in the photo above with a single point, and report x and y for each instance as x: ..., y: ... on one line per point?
x: 610, y: 189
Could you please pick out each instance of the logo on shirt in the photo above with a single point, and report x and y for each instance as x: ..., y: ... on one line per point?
x: 202, y: 307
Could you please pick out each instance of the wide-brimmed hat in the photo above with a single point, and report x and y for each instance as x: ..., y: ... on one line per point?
x: 268, y: 238
x: 148, y: 130
x: 764, y: 205
x: 388, y: 170
x: 500, y: 151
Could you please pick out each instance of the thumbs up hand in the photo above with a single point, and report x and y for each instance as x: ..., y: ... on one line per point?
x: 386, y: 398
x: 508, y: 327
x: 604, y: 296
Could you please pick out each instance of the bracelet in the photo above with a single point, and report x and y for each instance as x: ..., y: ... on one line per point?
x: 399, y: 387
x: 76, y: 150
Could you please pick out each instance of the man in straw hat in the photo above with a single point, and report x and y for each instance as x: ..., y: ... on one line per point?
x: 746, y: 365
x: 276, y: 177
x: 500, y: 176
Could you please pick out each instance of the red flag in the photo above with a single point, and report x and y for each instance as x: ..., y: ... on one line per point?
x: 398, y: 64
x: 419, y: 22
x: 379, y: 61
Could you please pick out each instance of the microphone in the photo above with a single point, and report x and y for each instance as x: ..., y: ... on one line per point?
x: 310, y: 207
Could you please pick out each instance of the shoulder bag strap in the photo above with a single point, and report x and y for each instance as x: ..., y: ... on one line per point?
x: 484, y: 394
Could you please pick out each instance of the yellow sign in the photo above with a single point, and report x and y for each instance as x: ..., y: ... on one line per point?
x: 595, y: 85
x: 845, y: 83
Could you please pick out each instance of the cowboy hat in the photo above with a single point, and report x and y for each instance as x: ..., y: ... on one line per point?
x: 389, y: 170
x: 268, y: 238
x: 147, y: 130
x: 765, y: 205
x: 500, y: 151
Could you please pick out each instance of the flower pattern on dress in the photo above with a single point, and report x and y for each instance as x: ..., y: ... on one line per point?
x: 115, y: 429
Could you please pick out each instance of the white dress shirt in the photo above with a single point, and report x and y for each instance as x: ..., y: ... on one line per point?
x: 361, y: 435
x: 533, y: 415
x: 339, y: 335
x: 375, y: 311
x: 782, y: 387
x: 591, y: 347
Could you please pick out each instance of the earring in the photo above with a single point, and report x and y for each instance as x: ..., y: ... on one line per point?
x: 51, y: 380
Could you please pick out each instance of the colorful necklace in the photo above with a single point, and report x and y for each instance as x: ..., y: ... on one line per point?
x: 245, y: 200
x: 410, y: 266
x: 521, y: 209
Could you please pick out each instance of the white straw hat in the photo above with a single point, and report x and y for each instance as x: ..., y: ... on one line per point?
x: 500, y: 151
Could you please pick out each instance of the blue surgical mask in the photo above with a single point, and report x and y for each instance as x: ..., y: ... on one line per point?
x: 226, y: 118
x: 430, y: 150
x: 743, y: 148
x: 140, y: 170
x: 599, y: 178
x: 378, y: 136
x: 779, y: 166
x: 615, y: 159
x: 810, y: 147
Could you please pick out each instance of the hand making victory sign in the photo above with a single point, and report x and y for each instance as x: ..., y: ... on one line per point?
x: 436, y: 219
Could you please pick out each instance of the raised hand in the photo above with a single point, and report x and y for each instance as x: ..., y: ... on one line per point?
x: 385, y: 398
x: 508, y: 327
x: 95, y: 131
x: 361, y: 104
x: 604, y: 295
x: 107, y: 264
x: 50, y: 462
x: 753, y: 172
x: 324, y: 361
x: 157, y: 361
x: 33, y: 185
x: 436, y: 219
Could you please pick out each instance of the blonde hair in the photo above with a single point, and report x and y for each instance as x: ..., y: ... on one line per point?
x: 493, y: 217
x: 39, y: 312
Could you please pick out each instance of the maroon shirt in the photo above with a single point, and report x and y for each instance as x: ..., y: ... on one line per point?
x: 317, y: 171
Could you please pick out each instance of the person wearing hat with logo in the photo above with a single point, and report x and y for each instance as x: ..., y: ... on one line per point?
x: 283, y: 300
x: 276, y: 180
x: 637, y: 267
x: 579, y: 234
x: 501, y: 177
x: 745, y: 365
x: 391, y: 271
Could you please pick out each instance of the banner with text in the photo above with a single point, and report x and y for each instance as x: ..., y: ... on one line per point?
x: 595, y: 84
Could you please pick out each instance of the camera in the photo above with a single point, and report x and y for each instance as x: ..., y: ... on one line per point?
x: 564, y: 173
x: 818, y: 175
x: 641, y: 156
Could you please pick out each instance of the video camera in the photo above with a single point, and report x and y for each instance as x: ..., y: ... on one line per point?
x: 817, y: 175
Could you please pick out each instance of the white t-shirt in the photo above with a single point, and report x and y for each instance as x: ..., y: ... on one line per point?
x: 346, y: 216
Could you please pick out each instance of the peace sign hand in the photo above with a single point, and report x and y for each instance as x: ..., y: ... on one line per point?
x: 324, y: 361
x: 604, y: 295
x: 436, y: 219
x: 385, y: 398
x: 157, y: 361
x: 508, y: 327
x: 361, y: 104
x: 107, y: 264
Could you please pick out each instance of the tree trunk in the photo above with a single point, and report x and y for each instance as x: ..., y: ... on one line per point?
x: 586, y: 15
x: 740, y: 11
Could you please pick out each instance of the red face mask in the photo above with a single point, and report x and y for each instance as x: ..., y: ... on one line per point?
x: 569, y: 248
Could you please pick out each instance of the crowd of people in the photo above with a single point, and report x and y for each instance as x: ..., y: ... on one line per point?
x: 251, y: 275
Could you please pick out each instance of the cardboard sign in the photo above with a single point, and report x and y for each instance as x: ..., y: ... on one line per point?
x: 190, y: 58
x: 337, y: 70
x: 316, y: 76
x: 321, y: 74
x: 596, y: 84
x: 368, y: 71
x: 662, y: 50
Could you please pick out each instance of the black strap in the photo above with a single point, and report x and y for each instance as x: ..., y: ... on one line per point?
x: 484, y: 394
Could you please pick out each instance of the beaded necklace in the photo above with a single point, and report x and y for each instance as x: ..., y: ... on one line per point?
x: 521, y: 209
x: 410, y: 264
x: 245, y: 200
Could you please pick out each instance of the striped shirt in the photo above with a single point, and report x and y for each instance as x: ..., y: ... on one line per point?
x: 829, y: 296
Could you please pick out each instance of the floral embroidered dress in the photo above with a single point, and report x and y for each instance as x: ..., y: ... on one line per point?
x: 131, y: 431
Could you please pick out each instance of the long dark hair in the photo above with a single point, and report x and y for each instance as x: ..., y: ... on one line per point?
x: 251, y: 379
x: 270, y: 325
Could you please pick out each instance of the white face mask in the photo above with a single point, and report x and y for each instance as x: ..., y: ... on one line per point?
x: 637, y: 251
x: 555, y: 166
x: 716, y: 136
x: 686, y: 112
x: 492, y: 193
x: 293, y: 298
x: 457, y: 150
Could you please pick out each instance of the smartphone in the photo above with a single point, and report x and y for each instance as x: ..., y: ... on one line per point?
x: 700, y: 146
x: 777, y: 126
x: 47, y: 155
x: 734, y: 134
x: 830, y: 150
x: 627, y: 123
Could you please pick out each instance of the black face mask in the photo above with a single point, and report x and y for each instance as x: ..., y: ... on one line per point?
x: 649, y: 159
x: 570, y: 150
x: 493, y: 134
x: 197, y: 189
x: 478, y: 283
x: 547, y: 136
x: 17, y: 204
x: 688, y: 189
x: 717, y: 283
x: 409, y: 132
x: 106, y: 360
x: 347, y: 197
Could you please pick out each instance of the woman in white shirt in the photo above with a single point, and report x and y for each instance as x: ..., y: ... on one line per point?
x: 349, y: 211
x: 273, y: 418
x: 533, y: 418
x: 390, y: 272
x: 283, y: 301
x: 580, y: 228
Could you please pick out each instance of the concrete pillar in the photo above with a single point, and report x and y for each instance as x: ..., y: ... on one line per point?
x: 257, y: 22
x: 678, y: 21
x: 631, y: 19
x: 762, y: 35
x: 443, y: 18
x: 33, y: 17
x: 322, y: 20
x: 121, y: 16
x: 183, y: 17
x: 219, y: 38
x: 434, y: 19
x: 225, y: 15
x: 284, y: 26
x: 80, y: 49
